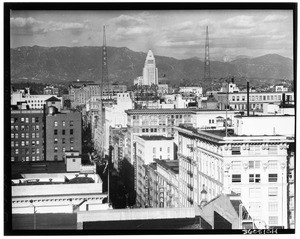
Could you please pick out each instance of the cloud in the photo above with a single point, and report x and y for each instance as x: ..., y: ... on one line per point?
x: 125, y: 21
x: 274, y: 18
x: 75, y: 42
x: 242, y: 21
x: 30, y: 26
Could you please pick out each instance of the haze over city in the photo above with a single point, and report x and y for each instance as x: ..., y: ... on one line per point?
x: 182, y: 34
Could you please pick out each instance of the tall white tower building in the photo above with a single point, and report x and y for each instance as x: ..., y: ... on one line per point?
x: 150, y: 72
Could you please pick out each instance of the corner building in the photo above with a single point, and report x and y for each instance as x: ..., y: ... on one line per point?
x: 253, y: 168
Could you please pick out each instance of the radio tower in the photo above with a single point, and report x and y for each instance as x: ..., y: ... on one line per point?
x: 104, y: 81
x: 207, y: 61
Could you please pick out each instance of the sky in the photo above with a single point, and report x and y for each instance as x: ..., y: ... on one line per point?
x: 174, y: 33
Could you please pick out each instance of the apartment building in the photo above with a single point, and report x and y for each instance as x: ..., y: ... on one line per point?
x: 27, y: 135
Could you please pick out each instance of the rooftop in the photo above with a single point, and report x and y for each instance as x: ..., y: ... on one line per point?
x: 172, y: 111
x: 53, y: 98
x: 172, y: 165
x: 155, y: 137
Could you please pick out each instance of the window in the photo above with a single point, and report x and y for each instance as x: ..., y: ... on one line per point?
x: 154, y: 150
x: 272, y: 150
x: 33, y: 135
x: 37, y: 158
x: 33, y: 120
x: 273, y: 206
x: 37, y: 119
x: 71, y: 131
x: 12, y: 120
x: 55, y: 132
x: 63, y: 149
x: 71, y: 140
x: 71, y: 148
x: 273, y: 220
x: 17, y: 144
x: 12, y: 135
x: 71, y: 123
x: 22, y: 135
x: 55, y: 149
x: 33, y: 127
x: 55, y: 141
x: 236, y: 150
x: 33, y: 151
x: 254, y: 178
x: 37, y: 127
x: 160, y: 149
x: 55, y: 123
x: 22, y: 127
x: 63, y: 132
x: 37, y: 142
x: 254, y: 193
x: 27, y: 120
x: 273, y: 192
x: 64, y: 123
x: 33, y: 158
x: 236, y: 178
x: 22, y: 143
x: 272, y: 164
x: 233, y: 98
x: 16, y: 151
x: 74, y: 160
x: 236, y: 165
x: 254, y: 164
x: 27, y: 143
x: 12, y: 143
x: 33, y: 143
x: 143, y: 130
x: 273, y: 177
x: 55, y: 157
x: 37, y: 151
x: 27, y: 135
x: 168, y: 150
x: 22, y: 120
x: 63, y: 140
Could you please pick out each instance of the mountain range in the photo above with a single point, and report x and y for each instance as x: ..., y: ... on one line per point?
x: 66, y: 64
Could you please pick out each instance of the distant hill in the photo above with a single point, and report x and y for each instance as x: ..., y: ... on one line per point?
x: 66, y: 64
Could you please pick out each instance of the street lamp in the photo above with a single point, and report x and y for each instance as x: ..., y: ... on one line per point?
x: 34, y: 214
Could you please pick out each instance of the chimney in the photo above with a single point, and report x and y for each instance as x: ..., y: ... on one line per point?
x: 248, y: 99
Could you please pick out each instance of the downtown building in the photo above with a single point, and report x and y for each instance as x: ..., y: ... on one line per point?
x: 44, y: 135
x: 246, y: 163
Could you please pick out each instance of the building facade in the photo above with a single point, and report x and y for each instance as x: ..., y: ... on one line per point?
x: 63, y: 133
x: 27, y: 135
x: 150, y: 72
x: 253, y: 167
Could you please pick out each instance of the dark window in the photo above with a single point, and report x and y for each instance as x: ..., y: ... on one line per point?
x: 71, y: 131
x: 273, y: 177
x: 236, y: 178
x: 71, y: 140
x: 71, y: 123
x: 254, y: 178
x: 55, y: 157
x: 236, y: 150
x: 63, y: 131
x: 55, y: 132
x: 63, y: 140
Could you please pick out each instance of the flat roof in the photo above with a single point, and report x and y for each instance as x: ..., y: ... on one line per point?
x: 173, y: 165
x: 155, y: 137
x: 173, y: 111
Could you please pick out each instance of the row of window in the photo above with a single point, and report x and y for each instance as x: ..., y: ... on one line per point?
x: 256, y: 98
x: 253, y: 164
x: 24, y: 135
x: 64, y: 132
x: 255, y: 178
x: 25, y: 120
x: 160, y: 117
x: 63, y: 149
x: 26, y: 151
x: 24, y: 127
x: 25, y: 143
x: 64, y: 123
x: 152, y: 130
x: 27, y: 158
x: 63, y: 140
